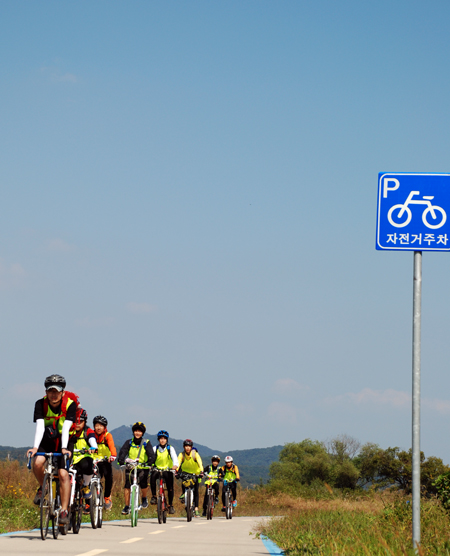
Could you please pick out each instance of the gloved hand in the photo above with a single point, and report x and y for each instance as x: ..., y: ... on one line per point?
x: 112, y: 458
x: 130, y: 460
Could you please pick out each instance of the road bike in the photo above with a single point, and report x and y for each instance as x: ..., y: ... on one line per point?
x: 50, y: 504
x: 228, y: 498
x: 211, y: 495
x: 97, y: 501
x: 162, y: 505
x: 135, y: 490
x: 404, y: 208
x: 188, y: 480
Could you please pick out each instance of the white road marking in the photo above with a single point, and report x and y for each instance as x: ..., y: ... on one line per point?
x: 178, y: 526
x: 156, y: 532
x: 94, y: 552
x: 134, y: 539
x: 199, y: 523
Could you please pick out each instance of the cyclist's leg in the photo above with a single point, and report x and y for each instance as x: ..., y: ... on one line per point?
x: 153, y: 478
x: 143, y: 483
x: 205, y: 499
x: 168, y: 477
x: 233, y: 490
x: 196, y: 494
x: 223, y: 496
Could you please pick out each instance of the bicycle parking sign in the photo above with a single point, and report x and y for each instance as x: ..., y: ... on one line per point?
x: 413, y: 212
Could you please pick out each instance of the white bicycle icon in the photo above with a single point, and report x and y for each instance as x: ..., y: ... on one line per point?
x: 431, y: 209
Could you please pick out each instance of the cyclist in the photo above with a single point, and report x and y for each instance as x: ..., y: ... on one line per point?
x: 230, y: 473
x: 83, y: 438
x: 106, y: 449
x: 53, y: 416
x: 212, y: 470
x: 189, y: 461
x: 166, y: 458
x: 136, y: 449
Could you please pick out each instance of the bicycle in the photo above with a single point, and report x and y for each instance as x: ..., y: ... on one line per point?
x: 211, y: 495
x: 162, y: 505
x: 228, y: 499
x: 188, y: 480
x: 431, y: 209
x: 97, y: 500
x: 135, y: 494
x: 50, y: 504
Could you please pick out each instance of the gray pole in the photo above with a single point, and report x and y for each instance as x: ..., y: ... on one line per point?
x: 417, y: 298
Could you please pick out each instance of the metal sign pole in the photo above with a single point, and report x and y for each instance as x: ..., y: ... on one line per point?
x: 417, y: 299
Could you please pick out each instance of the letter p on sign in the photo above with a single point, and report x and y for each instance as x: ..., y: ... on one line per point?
x: 386, y: 187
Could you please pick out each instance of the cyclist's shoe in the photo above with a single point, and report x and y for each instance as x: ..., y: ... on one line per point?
x: 64, y: 517
x: 216, y: 500
x: 38, y: 496
x: 197, y: 513
x: 126, y: 510
x: 86, y: 509
x: 144, y: 503
x: 153, y: 500
x: 181, y: 497
x: 86, y: 492
x: 234, y: 503
x: 171, y: 510
x: 204, y: 513
x: 108, y: 503
x: 223, y: 508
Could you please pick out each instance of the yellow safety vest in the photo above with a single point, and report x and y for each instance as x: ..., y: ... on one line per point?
x: 51, y: 417
x: 80, y: 444
x: 189, y: 465
x: 134, y: 451
x: 103, y: 449
x: 163, y: 459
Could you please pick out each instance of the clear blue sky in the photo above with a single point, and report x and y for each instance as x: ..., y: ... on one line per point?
x: 188, y: 216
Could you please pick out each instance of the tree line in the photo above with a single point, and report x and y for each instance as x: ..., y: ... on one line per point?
x: 346, y: 464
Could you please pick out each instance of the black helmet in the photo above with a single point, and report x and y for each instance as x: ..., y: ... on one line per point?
x: 163, y: 434
x: 81, y: 415
x: 102, y: 420
x: 55, y: 381
x: 188, y: 442
x: 138, y: 426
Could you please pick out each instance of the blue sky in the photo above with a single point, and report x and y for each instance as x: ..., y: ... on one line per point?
x: 189, y: 204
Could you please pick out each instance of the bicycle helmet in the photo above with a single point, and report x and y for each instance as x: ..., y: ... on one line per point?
x: 102, y: 420
x: 215, y: 458
x: 138, y: 426
x: 163, y: 434
x: 228, y: 459
x: 55, y: 381
x: 81, y: 415
x: 188, y: 442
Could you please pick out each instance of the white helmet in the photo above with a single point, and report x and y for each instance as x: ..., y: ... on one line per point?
x: 228, y: 459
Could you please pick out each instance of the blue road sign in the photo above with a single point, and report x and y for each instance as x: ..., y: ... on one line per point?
x: 413, y: 212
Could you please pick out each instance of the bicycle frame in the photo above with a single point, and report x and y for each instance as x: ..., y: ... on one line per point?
x: 162, y: 505
x: 96, y: 503
x: 228, y: 499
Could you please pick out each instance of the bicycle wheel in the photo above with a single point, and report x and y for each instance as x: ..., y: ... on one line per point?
x: 77, y: 512
x: 55, y: 515
x: 164, y: 508
x: 45, y: 506
x: 159, y: 509
x: 93, y: 508
x: 209, y: 507
x: 134, y: 506
x: 188, y: 502
x: 101, y: 501
x: 228, y: 505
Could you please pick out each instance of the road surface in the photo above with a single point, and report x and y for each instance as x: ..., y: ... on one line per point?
x: 200, y: 537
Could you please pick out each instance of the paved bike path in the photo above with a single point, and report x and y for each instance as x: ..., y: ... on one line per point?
x: 116, y: 538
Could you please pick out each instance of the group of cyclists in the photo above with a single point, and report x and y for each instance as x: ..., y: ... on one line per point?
x: 61, y: 427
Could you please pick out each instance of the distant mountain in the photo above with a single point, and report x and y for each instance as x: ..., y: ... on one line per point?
x: 253, y: 464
